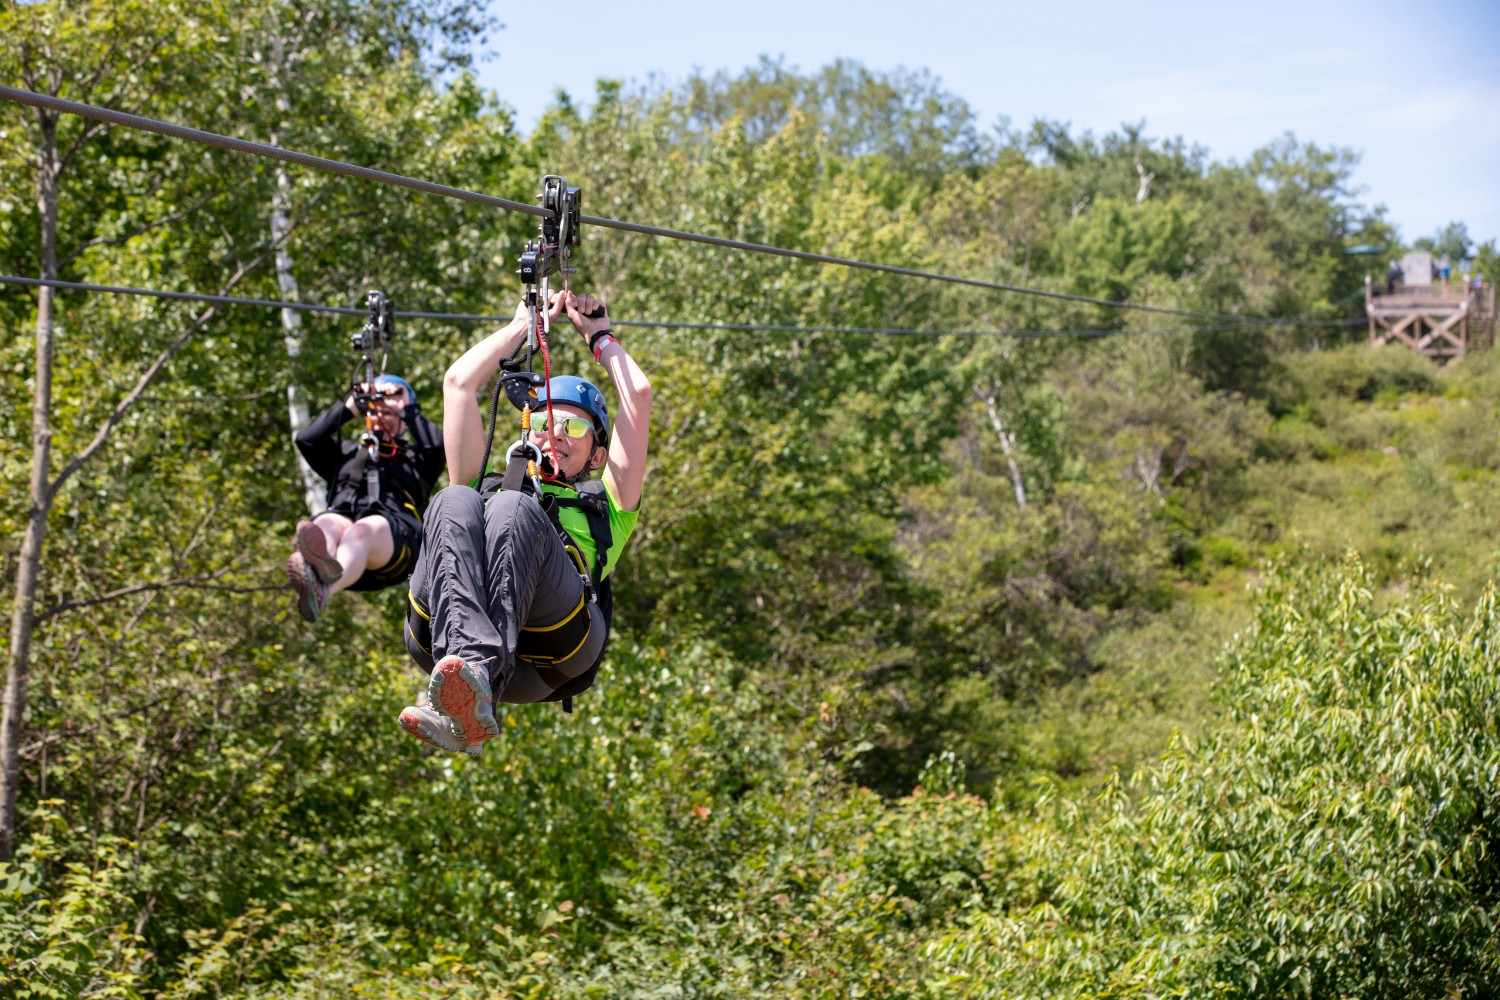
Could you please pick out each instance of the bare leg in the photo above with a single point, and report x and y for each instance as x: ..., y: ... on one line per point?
x: 333, y: 526
x: 365, y: 544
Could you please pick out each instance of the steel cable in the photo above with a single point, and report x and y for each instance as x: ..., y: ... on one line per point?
x: 639, y: 324
x: 185, y: 133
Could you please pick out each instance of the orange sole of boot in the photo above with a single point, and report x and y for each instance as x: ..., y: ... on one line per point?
x: 458, y: 700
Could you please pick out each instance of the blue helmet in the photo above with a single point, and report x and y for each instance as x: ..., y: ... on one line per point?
x: 411, y: 394
x: 577, y: 392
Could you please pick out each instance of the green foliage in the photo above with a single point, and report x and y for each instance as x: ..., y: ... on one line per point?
x: 1452, y: 241
x: 874, y: 575
x: 903, y: 118
x: 1113, y: 246
x: 1363, y: 459
x: 67, y: 933
x: 1333, y: 841
x: 1351, y: 373
x: 1487, y: 262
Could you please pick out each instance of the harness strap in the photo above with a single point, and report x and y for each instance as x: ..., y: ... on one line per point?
x: 596, y: 508
x: 544, y: 645
x: 365, y: 471
x: 515, y: 472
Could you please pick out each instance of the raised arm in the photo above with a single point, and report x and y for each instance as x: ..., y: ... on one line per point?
x: 320, y: 441
x: 625, y: 471
x: 463, y: 423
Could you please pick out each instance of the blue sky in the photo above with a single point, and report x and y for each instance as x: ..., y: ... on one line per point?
x: 1415, y: 88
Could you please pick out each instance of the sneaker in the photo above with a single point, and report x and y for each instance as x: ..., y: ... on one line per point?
x: 312, y: 546
x: 431, y: 727
x: 312, y: 593
x: 461, y: 692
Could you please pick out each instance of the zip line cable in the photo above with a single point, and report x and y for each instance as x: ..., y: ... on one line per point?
x: 81, y: 286
x: 640, y: 324
x: 913, y: 331
x: 185, y: 133
x: 170, y: 130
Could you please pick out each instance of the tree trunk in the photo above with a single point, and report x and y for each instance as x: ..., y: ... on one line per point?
x: 23, y: 606
x: 313, y: 491
x: 1007, y: 444
x: 1144, y: 191
x: 1148, y: 468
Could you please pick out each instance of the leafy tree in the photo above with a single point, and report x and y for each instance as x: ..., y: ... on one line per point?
x: 905, y: 118
x: 147, y: 53
x: 1452, y: 241
x: 1112, y: 247
x: 1332, y: 841
x: 1487, y: 262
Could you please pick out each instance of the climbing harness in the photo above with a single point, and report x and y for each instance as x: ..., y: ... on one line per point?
x: 544, y: 645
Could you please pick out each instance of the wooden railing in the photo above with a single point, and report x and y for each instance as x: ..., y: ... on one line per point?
x: 1454, y: 292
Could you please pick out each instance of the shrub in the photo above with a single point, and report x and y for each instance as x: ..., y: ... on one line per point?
x: 1357, y: 372
x: 67, y: 934
x: 1338, y: 840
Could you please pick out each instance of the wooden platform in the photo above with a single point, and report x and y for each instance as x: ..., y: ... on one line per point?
x: 1436, y: 322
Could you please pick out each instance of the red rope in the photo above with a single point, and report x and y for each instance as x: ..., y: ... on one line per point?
x: 541, y: 336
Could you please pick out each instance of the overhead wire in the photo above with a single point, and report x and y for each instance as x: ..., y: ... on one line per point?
x: 640, y: 324
x: 946, y: 332
x: 172, y: 130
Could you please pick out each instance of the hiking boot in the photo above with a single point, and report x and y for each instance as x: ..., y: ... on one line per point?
x: 312, y: 546
x: 312, y: 593
x: 461, y: 692
x: 438, y: 730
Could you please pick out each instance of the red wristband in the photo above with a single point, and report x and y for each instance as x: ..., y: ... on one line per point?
x: 604, y: 342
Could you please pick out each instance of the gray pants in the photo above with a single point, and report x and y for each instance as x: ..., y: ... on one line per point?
x: 485, y: 570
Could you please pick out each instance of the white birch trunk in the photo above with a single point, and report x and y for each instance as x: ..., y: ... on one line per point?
x: 1144, y: 191
x: 313, y: 489
x: 1007, y: 444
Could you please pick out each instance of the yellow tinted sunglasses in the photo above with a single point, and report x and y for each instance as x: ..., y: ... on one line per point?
x: 573, y: 427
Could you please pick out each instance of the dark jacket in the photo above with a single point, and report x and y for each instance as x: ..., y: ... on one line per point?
x: 406, y: 478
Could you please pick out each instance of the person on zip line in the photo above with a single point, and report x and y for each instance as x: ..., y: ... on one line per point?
x: 510, y: 600
x: 378, y: 490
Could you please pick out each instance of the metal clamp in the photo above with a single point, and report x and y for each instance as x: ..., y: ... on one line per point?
x: 530, y: 465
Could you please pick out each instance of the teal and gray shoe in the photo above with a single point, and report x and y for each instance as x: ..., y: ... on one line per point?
x: 312, y: 546
x: 312, y: 593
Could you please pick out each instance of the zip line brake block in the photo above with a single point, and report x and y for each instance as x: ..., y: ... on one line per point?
x: 520, y: 386
x: 376, y: 335
x: 380, y: 329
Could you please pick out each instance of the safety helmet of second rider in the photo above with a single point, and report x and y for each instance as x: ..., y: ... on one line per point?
x: 583, y: 394
x: 411, y: 394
